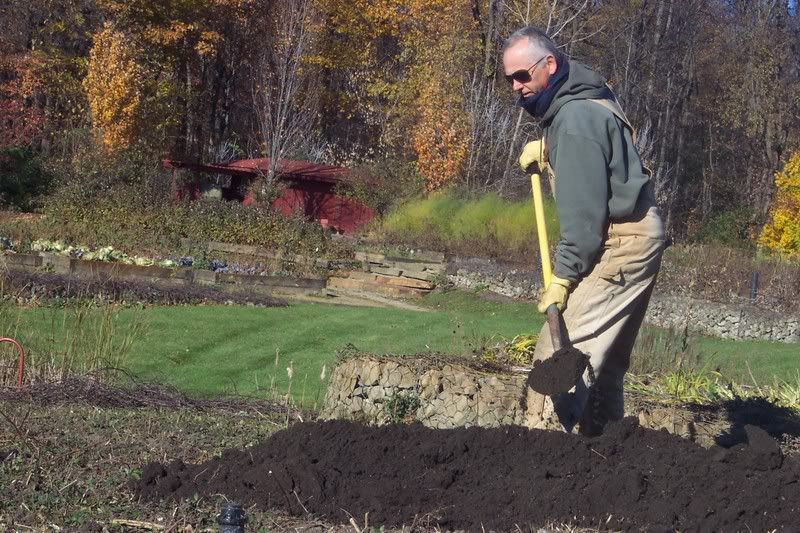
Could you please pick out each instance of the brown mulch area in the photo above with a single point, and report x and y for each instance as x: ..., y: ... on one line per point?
x: 46, y: 287
x: 90, y: 391
x: 14, y: 216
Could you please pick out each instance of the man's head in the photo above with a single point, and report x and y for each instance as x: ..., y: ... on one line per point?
x: 529, y: 59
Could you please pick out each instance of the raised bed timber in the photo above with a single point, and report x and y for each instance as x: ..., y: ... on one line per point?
x: 410, y: 276
x: 70, y: 266
x: 398, y: 277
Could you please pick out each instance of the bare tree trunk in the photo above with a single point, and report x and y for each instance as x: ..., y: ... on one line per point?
x: 654, y: 47
x: 678, y: 173
x: 708, y: 177
x: 284, y: 121
x: 190, y: 149
x: 488, y: 45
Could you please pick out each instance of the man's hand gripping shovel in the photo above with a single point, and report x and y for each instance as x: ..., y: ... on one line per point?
x: 560, y: 372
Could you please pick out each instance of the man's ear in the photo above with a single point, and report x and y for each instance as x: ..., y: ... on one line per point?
x: 552, y: 66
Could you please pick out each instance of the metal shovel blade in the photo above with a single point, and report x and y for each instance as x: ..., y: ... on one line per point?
x: 562, y: 371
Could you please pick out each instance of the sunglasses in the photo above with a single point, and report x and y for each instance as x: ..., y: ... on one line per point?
x: 524, y: 75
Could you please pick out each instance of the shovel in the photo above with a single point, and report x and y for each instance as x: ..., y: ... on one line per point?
x: 560, y: 372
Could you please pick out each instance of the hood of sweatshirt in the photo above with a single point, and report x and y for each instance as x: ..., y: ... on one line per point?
x: 582, y: 83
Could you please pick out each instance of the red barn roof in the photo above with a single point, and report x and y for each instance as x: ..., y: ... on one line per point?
x: 287, y: 169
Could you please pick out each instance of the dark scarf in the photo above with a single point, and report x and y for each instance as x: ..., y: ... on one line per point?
x: 537, y: 104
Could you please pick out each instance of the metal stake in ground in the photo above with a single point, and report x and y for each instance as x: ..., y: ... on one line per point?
x: 560, y: 372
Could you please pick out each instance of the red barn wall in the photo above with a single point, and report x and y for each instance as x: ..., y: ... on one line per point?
x: 313, y: 201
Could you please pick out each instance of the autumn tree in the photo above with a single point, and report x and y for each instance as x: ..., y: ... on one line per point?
x: 22, y: 123
x: 192, y: 57
x: 443, y: 37
x: 115, y: 87
x: 363, y: 64
x: 782, y: 232
x: 43, y: 47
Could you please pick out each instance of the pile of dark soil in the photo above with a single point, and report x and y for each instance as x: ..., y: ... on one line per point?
x: 474, y: 478
x: 47, y: 287
x: 558, y: 373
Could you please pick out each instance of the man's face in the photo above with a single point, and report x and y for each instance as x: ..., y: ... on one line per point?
x: 531, y: 73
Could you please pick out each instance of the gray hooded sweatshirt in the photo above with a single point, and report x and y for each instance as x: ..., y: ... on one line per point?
x: 599, y: 175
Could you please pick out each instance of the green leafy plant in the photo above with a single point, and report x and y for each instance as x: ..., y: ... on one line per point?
x: 521, y: 348
x: 400, y: 406
x: 733, y: 228
x: 707, y: 387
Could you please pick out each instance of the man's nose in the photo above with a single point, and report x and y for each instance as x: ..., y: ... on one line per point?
x: 516, y: 86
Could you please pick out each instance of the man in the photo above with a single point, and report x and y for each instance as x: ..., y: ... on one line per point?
x: 612, y: 237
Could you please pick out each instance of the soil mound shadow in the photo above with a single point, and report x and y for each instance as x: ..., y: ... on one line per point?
x: 474, y: 478
x: 558, y: 373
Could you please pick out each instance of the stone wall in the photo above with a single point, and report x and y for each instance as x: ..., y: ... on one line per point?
x: 502, y: 278
x: 723, y: 320
x: 447, y: 394
x: 727, y: 320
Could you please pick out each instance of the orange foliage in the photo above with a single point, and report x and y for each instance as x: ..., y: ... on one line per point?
x: 440, y: 139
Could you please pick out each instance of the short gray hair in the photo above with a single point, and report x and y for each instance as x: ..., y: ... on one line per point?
x: 538, y: 43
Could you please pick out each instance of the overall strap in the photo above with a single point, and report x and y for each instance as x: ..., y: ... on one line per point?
x: 614, y: 107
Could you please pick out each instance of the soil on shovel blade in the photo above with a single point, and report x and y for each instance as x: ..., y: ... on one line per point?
x: 474, y: 478
x: 558, y: 373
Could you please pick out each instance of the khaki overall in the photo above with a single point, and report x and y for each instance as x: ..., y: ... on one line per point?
x: 602, y: 319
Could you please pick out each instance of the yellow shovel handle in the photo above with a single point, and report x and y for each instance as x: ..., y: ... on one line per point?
x: 541, y: 230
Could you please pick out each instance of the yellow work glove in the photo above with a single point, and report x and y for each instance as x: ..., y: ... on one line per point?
x: 532, y: 153
x: 555, y: 293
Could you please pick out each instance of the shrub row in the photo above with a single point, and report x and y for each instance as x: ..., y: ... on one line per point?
x: 157, y: 230
x: 126, y: 200
x: 488, y: 225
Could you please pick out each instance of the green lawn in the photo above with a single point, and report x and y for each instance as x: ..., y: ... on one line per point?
x: 767, y: 360
x: 207, y: 350
x: 216, y: 349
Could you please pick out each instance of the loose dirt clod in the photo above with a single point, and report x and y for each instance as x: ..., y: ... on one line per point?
x: 559, y: 373
x: 477, y: 478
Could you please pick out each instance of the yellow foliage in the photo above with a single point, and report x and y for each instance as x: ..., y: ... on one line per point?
x: 113, y: 87
x: 445, y: 42
x: 782, y: 233
x: 146, y: 63
x: 412, y: 55
x: 208, y: 42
